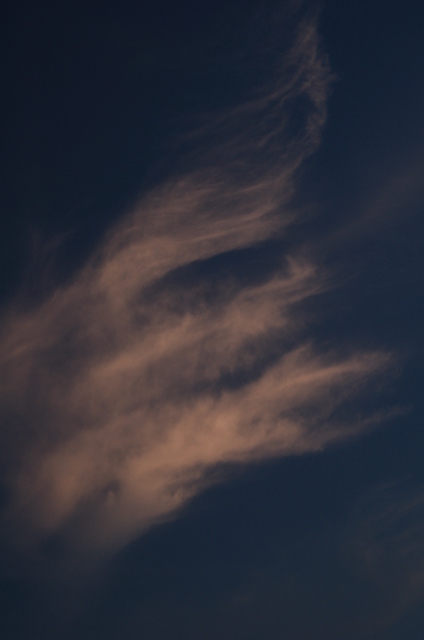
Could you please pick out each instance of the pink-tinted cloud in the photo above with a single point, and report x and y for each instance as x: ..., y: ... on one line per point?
x: 122, y: 392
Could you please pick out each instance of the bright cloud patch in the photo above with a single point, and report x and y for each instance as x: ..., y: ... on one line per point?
x: 125, y: 388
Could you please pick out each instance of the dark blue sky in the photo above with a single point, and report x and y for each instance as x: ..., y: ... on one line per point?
x: 211, y: 342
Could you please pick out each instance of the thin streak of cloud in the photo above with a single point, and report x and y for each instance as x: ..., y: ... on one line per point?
x: 122, y: 392
x: 385, y: 542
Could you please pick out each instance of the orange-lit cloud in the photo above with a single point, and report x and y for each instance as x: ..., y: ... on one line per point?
x: 125, y: 388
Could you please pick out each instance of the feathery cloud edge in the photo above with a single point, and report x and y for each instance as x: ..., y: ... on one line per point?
x: 118, y: 402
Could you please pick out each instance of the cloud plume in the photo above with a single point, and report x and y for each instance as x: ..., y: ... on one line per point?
x: 129, y: 385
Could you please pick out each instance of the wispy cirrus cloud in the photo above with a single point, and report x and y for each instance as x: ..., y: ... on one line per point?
x: 126, y: 387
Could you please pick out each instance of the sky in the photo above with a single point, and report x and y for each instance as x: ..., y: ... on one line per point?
x: 211, y: 346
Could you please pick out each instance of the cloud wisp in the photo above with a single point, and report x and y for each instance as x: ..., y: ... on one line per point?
x: 128, y: 386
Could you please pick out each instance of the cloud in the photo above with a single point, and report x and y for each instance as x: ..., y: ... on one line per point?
x: 127, y: 387
x: 383, y: 543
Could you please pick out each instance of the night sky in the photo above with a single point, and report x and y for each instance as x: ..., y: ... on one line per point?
x: 211, y: 312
